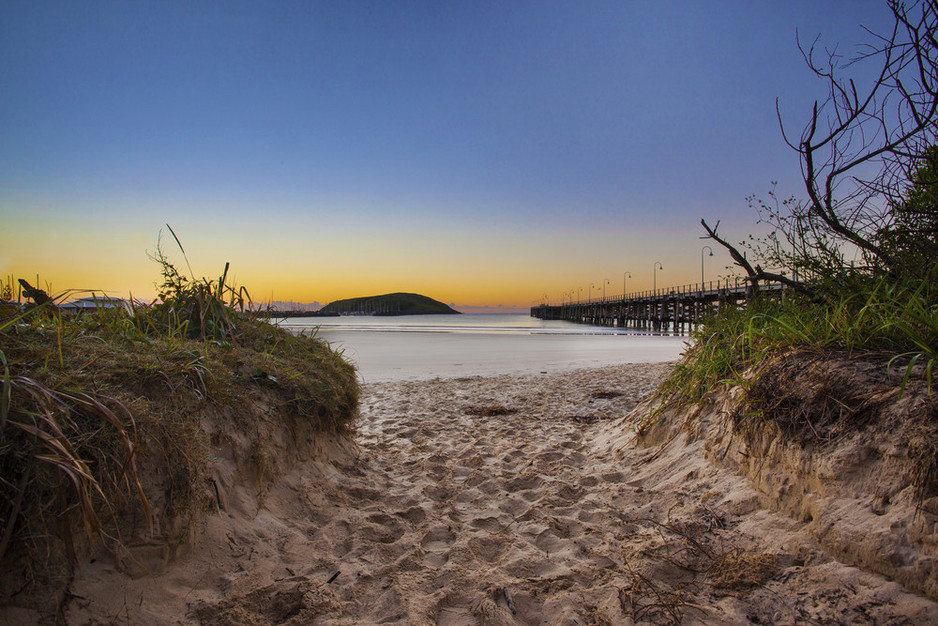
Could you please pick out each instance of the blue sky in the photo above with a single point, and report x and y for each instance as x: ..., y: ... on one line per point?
x: 478, y: 152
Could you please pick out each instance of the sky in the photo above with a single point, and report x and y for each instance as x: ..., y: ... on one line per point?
x: 480, y: 153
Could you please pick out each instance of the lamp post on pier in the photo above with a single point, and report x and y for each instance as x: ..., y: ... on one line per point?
x: 702, y: 264
x: 592, y: 286
x: 624, y: 274
x: 578, y: 294
x: 605, y: 282
x: 654, y: 275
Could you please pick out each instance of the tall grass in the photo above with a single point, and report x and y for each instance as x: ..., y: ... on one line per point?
x: 191, y: 307
x: 59, y: 428
x: 82, y: 397
x: 898, y: 320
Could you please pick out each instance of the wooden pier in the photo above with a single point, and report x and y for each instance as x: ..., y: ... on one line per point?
x: 672, y: 310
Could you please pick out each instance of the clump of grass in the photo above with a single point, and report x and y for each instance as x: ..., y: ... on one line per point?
x: 897, y: 321
x: 820, y: 369
x: 194, y: 308
x: 101, y: 411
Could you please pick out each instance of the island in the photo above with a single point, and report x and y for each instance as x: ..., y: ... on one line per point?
x: 388, y: 304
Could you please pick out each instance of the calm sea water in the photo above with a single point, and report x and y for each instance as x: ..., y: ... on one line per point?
x: 418, y: 347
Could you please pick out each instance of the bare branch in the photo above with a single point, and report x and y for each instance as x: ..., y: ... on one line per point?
x: 738, y: 258
x: 862, y: 144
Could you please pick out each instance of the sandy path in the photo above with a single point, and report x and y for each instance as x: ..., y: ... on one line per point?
x: 498, y: 500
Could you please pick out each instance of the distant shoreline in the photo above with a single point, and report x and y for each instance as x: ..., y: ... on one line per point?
x: 287, y: 314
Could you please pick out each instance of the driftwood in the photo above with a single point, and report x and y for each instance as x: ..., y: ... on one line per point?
x: 36, y: 295
x: 511, y: 605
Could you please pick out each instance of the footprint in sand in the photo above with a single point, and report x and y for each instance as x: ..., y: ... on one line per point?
x: 550, y: 542
x: 461, y: 473
x: 515, y: 455
x: 382, y: 528
x: 436, y: 544
x: 488, y: 549
x: 549, y: 457
x: 339, y: 536
x: 524, y: 482
x: 513, y: 506
x: 486, y: 485
x: 565, y: 495
x: 437, y: 493
x: 363, y: 494
x: 468, y: 496
x: 490, y: 524
x: 414, y: 515
x: 403, y: 433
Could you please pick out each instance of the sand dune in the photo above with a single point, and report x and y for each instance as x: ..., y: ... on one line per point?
x: 500, y: 500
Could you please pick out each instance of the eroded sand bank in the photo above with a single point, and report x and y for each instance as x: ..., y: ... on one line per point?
x: 498, y: 500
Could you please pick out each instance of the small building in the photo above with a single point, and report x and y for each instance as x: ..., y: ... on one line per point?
x: 93, y: 303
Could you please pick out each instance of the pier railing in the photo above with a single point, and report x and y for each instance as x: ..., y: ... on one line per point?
x: 671, y: 309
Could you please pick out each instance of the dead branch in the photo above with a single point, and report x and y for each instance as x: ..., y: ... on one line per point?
x: 753, y: 274
x: 36, y: 295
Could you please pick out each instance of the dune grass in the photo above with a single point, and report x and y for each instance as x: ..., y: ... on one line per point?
x: 822, y: 369
x: 87, y: 399
x: 896, y: 321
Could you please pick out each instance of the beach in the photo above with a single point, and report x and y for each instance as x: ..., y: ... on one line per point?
x: 498, y: 500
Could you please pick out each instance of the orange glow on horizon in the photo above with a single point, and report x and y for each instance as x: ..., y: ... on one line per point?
x: 272, y: 262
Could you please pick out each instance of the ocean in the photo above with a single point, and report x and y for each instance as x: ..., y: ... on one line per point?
x: 420, y: 347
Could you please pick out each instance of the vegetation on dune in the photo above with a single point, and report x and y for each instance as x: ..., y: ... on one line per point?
x: 859, y: 255
x: 102, y: 410
x: 876, y: 318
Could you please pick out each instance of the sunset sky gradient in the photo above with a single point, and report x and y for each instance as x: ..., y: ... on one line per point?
x: 480, y: 153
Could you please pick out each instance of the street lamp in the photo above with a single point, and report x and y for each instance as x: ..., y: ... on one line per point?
x: 592, y: 286
x: 578, y: 294
x: 702, y: 264
x: 657, y: 266
x: 605, y: 282
x: 624, y: 274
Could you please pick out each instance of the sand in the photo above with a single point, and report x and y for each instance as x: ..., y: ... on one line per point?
x: 499, y: 500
